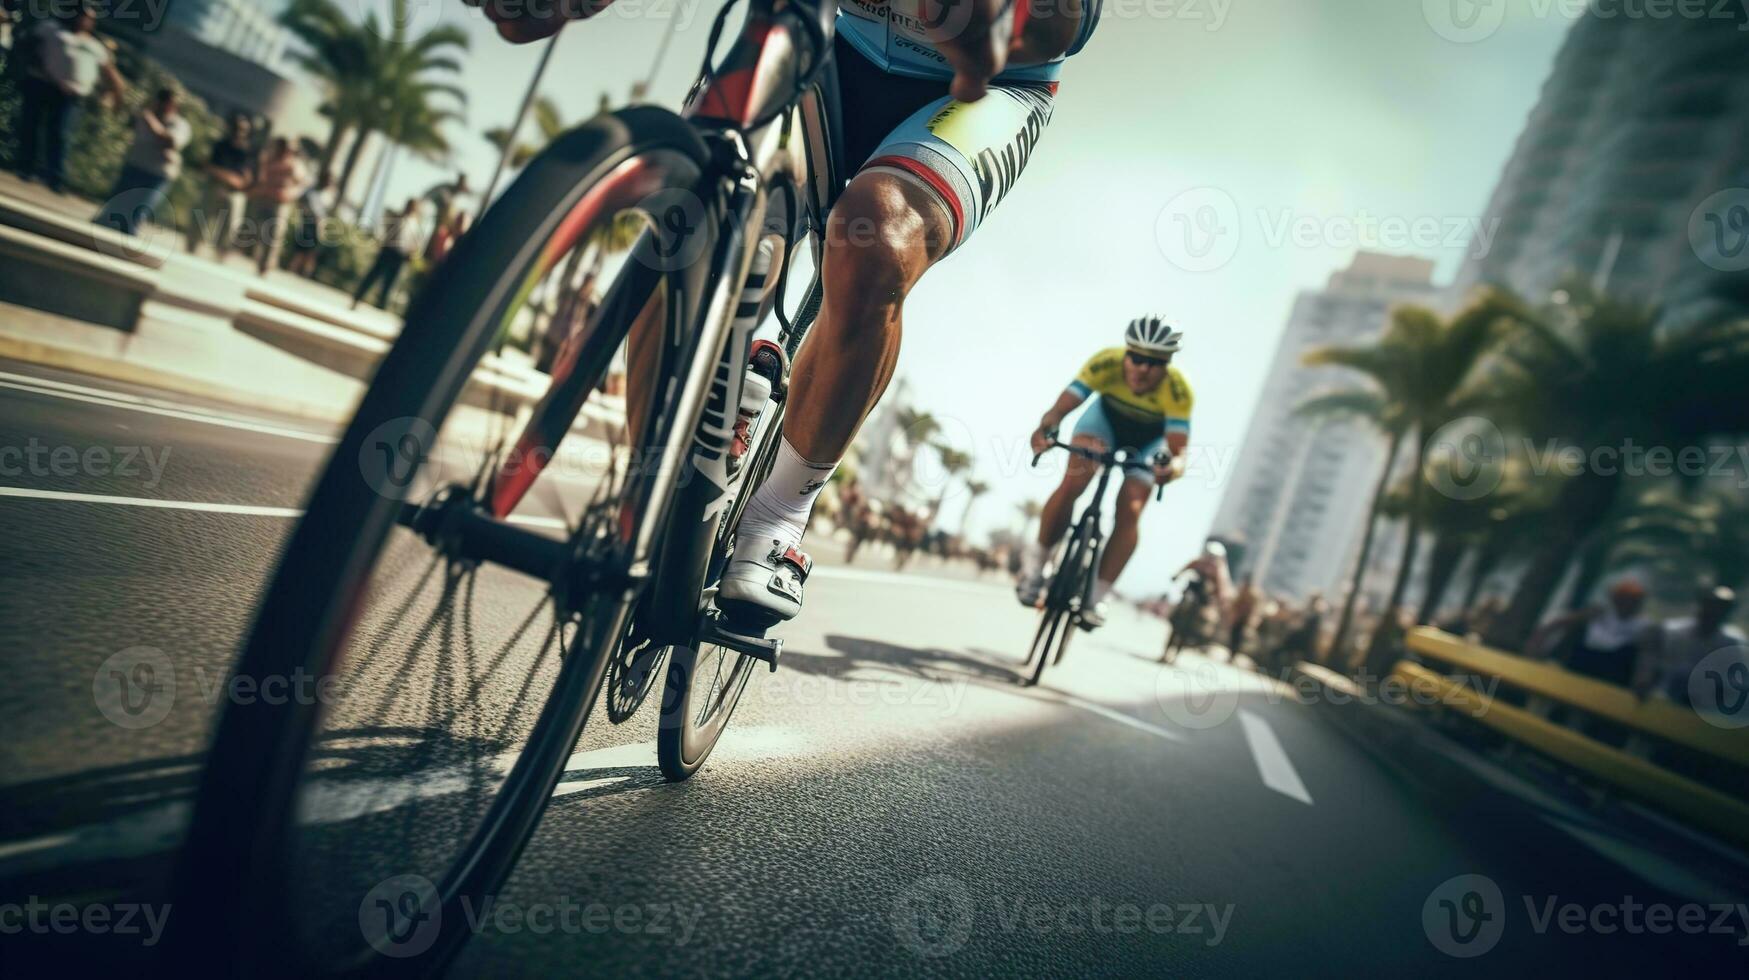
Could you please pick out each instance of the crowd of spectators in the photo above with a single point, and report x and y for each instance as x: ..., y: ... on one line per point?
x: 257, y: 193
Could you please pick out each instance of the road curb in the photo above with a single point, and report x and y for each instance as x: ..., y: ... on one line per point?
x: 80, y: 362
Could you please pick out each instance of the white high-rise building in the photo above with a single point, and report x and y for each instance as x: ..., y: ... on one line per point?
x: 1301, y: 487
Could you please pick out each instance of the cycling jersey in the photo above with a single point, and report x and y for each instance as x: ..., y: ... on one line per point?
x: 891, y: 34
x: 1167, y: 405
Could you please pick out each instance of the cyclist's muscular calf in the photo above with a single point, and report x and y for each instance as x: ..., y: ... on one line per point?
x: 884, y: 232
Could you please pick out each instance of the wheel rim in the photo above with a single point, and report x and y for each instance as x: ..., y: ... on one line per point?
x: 715, y: 679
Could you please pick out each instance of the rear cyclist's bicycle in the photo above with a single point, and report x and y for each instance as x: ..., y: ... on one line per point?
x: 1070, y: 591
x: 356, y: 832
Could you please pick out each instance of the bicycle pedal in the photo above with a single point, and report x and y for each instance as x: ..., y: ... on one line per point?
x: 759, y: 647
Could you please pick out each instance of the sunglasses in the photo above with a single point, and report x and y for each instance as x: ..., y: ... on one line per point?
x: 1143, y: 361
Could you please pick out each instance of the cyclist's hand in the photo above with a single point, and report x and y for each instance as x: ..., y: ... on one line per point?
x: 520, y: 23
x: 975, y: 36
x: 1041, y: 441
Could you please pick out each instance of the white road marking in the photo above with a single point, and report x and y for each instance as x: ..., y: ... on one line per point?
x: 97, y: 396
x: 1113, y: 714
x: 245, y: 510
x: 1272, y: 761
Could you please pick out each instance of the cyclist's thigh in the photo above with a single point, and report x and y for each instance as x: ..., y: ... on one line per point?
x: 968, y: 155
x: 1094, y: 425
x: 1144, y: 474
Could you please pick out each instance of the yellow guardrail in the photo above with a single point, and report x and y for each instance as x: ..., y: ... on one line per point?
x: 1721, y: 813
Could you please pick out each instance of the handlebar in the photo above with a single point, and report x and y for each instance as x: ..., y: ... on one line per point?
x: 1125, y: 458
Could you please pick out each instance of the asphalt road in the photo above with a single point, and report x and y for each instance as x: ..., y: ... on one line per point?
x: 889, y: 802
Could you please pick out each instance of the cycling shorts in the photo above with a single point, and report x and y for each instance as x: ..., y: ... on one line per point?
x: 967, y: 155
x: 1116, y: 434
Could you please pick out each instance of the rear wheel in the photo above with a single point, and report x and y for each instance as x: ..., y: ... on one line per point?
x: 349, y: 831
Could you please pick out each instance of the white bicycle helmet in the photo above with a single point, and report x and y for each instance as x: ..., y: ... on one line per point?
x: 1152, y: 337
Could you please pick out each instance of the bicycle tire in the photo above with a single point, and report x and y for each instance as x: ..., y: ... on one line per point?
x: 1065, y: 583
x: 685, y: 739
x: 232, y: 907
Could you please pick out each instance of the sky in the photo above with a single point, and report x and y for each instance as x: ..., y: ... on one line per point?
x: 1207, y: 161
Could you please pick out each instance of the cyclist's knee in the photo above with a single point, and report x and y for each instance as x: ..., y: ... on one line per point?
x: 881, y: 236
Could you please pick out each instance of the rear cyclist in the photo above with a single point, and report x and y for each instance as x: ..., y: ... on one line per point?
x: 1139, y: 402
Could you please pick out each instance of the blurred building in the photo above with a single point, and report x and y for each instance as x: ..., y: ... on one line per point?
x: 233, y: 55
x: 1301, y: 487
x: 1642, y: 124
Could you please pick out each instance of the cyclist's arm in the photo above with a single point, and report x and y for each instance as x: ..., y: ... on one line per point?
x: 1067, y: 402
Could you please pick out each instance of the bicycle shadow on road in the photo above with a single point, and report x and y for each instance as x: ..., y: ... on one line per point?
x: 850, y: 654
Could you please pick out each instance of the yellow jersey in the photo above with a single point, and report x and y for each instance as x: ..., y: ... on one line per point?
x: 1168, y: 404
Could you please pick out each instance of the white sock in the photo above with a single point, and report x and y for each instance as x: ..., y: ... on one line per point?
x: 1032, y: 560
x: 780, y: 507
x: 1101, y: 589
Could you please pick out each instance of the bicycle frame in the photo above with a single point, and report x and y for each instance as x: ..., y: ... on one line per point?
x: 1089, y: 521
x: 771, y: 124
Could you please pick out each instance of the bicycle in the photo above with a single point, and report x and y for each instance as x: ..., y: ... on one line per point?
x: 1189, y: 622
x: 724, y: 198
x: 1070, y: 591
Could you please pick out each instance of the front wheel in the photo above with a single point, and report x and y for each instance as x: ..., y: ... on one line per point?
x: 350, y: 831
x: 1056, y: 624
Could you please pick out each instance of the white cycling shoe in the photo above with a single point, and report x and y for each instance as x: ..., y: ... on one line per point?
x: 761, y: 588
x: 1093, y: 617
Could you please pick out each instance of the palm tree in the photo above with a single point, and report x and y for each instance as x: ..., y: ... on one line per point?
x: 1420, y: 367
x: 953, y: 463
x: 1371, y: 406
x: 377, y: 79
x: 547, y: 122
x: 1590, y: 372
x: 974, y: 490
x: 1680, y: 539
x: 918, y: 427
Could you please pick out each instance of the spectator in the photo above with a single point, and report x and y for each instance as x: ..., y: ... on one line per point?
x: 400, y: 240
x: 152, y: 164
x: 455, y: 204
x: 229, y: 172
x: 279, y: 179
x: 1303, y: 638
x: 8, y: 16
x: 314, y: 207
x: 1677, y: 646
x: 64, y: 65
x: 1244, y: 604
x: 1609, y: 643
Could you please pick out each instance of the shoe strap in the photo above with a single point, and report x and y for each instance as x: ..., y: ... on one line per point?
x: 795, y: 558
